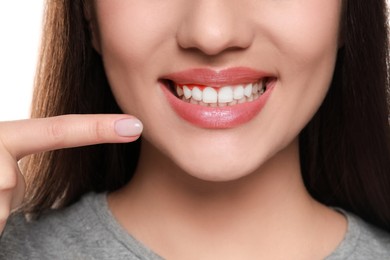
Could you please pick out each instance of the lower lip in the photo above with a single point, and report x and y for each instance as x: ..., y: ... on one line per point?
x: 217, y: 117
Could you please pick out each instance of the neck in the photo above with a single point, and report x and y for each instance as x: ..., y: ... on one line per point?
x: 266, y: 204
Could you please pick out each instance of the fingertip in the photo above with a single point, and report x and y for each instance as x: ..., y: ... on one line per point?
x: 128, y: 127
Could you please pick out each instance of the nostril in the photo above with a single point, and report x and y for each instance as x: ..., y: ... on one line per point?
x: 212, y: 29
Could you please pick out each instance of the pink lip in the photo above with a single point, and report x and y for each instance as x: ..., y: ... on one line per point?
x: 231, y: 76
x: 217, y: 117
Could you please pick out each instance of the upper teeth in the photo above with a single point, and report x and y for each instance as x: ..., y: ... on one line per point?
x: 221, y: 95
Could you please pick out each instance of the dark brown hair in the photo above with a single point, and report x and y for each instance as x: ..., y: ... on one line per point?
x: 345, y: 148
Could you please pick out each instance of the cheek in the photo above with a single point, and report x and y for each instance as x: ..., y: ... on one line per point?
x: 302, y: 31
x: 133, y: 37
x: 304, y: 44
x: 307, y: 43
x: 131, y: 31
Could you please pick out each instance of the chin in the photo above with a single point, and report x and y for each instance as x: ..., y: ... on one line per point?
x: 219, y: 170
x: 218, y: 175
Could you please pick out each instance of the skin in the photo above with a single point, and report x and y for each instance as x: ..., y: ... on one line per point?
x: 21, y: 138
x: 294, y: 40
x: 183, y: 204
x: 249, y: 203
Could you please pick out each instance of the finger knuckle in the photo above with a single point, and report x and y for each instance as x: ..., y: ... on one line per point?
x: 8, y: 181
x: 99, y: 131
x: 56, y: 132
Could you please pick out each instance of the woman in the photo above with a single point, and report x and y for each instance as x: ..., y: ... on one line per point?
x: 265, y: 133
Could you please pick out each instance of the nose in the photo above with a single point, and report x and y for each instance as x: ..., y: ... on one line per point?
x: 213, y: 26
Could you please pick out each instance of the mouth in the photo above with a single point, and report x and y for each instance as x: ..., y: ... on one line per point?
x: 218, y: 100
x: 219, y: 96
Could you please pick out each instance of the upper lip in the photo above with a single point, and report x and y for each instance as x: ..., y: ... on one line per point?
x: 205, y: 76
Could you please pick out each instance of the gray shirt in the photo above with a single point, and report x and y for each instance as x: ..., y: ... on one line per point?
x: 87, y: 230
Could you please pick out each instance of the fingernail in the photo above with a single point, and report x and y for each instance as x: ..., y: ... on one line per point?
x: 128, y: 127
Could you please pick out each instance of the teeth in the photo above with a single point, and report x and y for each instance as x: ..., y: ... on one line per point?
x: 238, y: 92
x: 234, y: 102
x: 210, y: 95
x: 242, y: 100
x: 193, y: 101
x: 262, y: 88
x: 248, y: 90
x: 179, y: 91
x: 197, y: 94
x: 255, y: 88
x: 202, y: 103
x: 222, y: 96
x: 187, y: 92
x: 225, y: 95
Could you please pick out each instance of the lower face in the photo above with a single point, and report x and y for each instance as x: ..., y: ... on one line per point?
x: 184, y: 69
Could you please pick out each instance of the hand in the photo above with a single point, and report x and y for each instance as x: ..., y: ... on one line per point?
x: 24, y: 137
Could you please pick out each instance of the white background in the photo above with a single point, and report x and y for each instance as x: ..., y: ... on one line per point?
x: 20, y: 24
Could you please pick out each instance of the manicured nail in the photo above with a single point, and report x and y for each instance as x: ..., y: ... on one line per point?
x: 128, y: 127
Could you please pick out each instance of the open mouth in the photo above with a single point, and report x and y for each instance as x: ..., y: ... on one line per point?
x: 219, y: 96
x: 218, y: 99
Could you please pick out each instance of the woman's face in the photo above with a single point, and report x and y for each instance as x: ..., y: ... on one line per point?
x: 186, y: 69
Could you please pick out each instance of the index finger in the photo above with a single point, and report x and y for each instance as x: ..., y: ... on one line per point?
x: 29, y: 136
